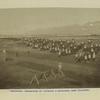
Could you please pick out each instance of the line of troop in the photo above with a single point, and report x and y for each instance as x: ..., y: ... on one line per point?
x: 83, y: 50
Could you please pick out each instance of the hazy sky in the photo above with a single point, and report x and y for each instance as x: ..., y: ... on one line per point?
x: 24, y: 20
x: 49, y: 3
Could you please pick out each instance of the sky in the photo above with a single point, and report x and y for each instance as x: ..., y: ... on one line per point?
x: 49, y: 3
x: 21, y: 20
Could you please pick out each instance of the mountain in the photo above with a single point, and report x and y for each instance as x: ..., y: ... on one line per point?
x: 90, y: 28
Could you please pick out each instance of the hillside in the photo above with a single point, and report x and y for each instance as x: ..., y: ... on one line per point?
x: 90, y: 28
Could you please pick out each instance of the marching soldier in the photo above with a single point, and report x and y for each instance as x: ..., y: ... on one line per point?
x: 93, y: 56
x: 89, y: 56
x: 85, y: 57
x: 59, y: 53
x: 66, y: 51
x: 69, y: 51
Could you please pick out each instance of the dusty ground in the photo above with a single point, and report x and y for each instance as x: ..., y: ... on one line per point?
x: 22, y: 61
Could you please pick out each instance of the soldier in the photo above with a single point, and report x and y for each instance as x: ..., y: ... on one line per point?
x: 76, y: 57
x: 59, y: 53
x: 55, y: 49
x: 60, y: 72
x: 4, y: 55
x: 66, y: 51
x: 80, y: 56
x: 63, y: 51
x: 85, y: 48
x: 93, y: 56
x: 69, y: 51
x: 85, y: 57
x: 89, y: 56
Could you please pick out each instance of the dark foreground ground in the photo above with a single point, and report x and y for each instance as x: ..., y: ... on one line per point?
x: 18, y: 70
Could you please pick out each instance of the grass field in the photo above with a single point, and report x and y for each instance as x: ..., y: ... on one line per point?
x: 22, y: 62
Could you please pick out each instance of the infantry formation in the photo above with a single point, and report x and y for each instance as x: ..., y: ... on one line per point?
x: 83, y: 51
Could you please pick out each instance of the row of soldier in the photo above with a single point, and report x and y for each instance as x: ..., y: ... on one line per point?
x: 82, y: 50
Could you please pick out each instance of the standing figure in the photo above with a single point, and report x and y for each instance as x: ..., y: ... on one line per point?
x: 60, y: 69
x: 89, y: 56
x: 85, y: 58
x: 59, y: 53
x: 93, y: 56
x: 4, y: 55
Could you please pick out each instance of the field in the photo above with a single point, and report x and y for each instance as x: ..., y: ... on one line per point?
x: 21, y: 63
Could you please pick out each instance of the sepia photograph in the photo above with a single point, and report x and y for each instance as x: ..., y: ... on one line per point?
x: 49, y: 48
